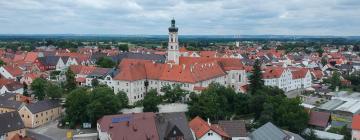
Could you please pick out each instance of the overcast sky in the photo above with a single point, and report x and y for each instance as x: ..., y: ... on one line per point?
x: 193, y: 17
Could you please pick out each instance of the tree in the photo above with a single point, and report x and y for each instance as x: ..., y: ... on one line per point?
x: 320, y: 51
x: 256, y: 82
x: 151, y: 101
x: 94, y: 82
x: 323, y: 61
x: 70, y: 83
x: 38, y: 87
x: 335, y: 80
x: 102, y: 102
x: 25, y: 86
x: 288, y: 114
x: 76, y: 106
x: 216, y: 102
x: 123, y: 47
x: 124, y: 100
x: 173, y: 93
x: 2, y: 63
x: 267, y: 114
x: 105, y: 62
x: 53, y: 91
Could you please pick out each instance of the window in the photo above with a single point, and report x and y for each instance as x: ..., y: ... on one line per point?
x: 210, y: 134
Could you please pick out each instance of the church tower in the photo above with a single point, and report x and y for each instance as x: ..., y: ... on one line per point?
x: 173, y: 45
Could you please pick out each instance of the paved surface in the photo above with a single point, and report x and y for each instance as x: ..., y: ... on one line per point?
x: 294, y: 93
x: 51, y: 130
x: 37, y: 136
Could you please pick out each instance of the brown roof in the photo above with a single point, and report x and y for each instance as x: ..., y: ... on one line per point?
x: 320, y: 119
x: 137, y: 126
x: 235, y: 128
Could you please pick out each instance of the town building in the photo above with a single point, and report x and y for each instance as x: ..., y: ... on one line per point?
x: 271, y: 132
x: 136, y: 76
x: 39, y: 113
x: 355, y: 126
x: 11, y: 125
x: 205, y: 130
x: 150, y: 126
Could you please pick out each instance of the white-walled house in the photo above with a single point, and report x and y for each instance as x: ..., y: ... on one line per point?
x: 206, y: 131
x: 287, y: 79
x: 11, y: 72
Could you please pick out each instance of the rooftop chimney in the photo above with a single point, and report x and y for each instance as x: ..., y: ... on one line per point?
x: 208, y: 121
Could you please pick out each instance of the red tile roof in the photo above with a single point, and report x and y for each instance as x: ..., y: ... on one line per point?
x: 320, y: 119
x: 131, y: 70
x: 273, y: 72
x: 31, y: 56
x: 298, y: 73
x: 13, y: 70
x: 200, y: 128
x: 356, y: 122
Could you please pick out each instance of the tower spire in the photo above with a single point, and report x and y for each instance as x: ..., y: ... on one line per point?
x: 173, y: 47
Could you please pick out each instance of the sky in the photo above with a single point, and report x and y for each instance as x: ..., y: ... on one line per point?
x: 193, y: 17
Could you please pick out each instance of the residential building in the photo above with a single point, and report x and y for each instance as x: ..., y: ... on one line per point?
x: 11, y: 72
x: 270, y: 132
x: 235, y: 129
x: 173, y: 126
x: 128, y: 126
x: 11, y: 125
x: 39, y: 113
x: 319, y: 120
x: 206, y: 131
x: 355, y: 126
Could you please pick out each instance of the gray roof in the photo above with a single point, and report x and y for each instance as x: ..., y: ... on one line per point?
x: 43, y: 105
x: 10, y: 121
x: 235, y: 128
x: 49, y: 60
x: 11, y: 104
x: 7, y: 96
x: 269, y: 132
x: 331, y: 105
x: 165, y: 122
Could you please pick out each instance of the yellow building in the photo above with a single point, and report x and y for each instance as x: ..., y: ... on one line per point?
x: 10, y: 125
x: 39, y: 113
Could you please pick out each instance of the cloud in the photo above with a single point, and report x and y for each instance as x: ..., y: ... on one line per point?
x: 292, y: 17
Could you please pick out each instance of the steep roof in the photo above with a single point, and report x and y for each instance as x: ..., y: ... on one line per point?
x: 10, y: 121
x: 166, y: 121
x: 13, y: 70
x: 269, y: 132
x: 320, y: 119
x: 273, y: 72
x: 298, y: 73
x: 135, y: 126
x: 42, y: 106
x: 49, y: 60
x: 31, y: 56
x: 200, y: 128
x: 235, y: 128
